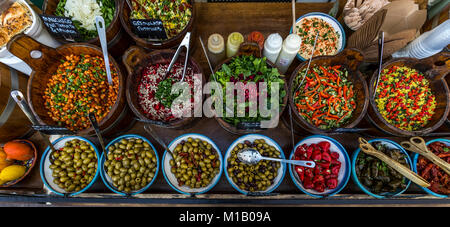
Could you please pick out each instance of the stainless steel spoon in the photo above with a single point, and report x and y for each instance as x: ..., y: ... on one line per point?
x: 101, y: 27
x: 252, y: 156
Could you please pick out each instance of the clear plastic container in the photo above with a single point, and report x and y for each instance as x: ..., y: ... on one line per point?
x: 272, y: 47
x: 291, y: 46
x: 36, y: 30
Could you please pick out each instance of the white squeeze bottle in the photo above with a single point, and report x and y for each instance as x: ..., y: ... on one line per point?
x: 291, y: 46
x: 272, y: 47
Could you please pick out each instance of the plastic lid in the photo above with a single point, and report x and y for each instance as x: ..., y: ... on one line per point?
x: 292, y: 43
x: 216, y: 43
x: 235, y: 39
x: 273, y: 42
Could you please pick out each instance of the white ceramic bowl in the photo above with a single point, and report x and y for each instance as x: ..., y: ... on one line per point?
x: 252, y: 137
x: 46, y: 173
x: 170, y: 177
x: 344, y: 171
x: 331, y: 21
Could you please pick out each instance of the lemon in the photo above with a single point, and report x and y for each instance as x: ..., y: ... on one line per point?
x: 12, y: 172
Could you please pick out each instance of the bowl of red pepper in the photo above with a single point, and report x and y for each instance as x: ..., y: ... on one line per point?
x: 412, y: 97
x: 148, y: 90
x: 332, y: 170
x: 331, y: 95
x: 439, y: 179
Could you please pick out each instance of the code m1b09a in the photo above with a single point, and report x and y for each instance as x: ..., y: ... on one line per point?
x: 246, y: 216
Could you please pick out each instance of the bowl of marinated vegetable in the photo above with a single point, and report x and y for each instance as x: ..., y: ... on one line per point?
x: 83, y: 13
x: 412, y: 97
x: 332, y: 170
x: 439, y: 179
x: 129, y: 165
x: 196, y: 166
x: 72, y: 168
x: 375, y: 177
x: 148, y: 89
x: 176, y: 16
x: 332, y: 95
x: 331, y: 39
x: 69, y: 82
x: 255, y: 179
x: 248, y: 73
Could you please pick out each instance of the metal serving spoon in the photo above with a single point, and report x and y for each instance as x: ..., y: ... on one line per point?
x: 101, y: 27
x: 252, y: 156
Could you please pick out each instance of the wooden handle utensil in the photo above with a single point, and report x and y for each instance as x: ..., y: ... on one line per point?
x: 367, y: 148
x: 418, y: 145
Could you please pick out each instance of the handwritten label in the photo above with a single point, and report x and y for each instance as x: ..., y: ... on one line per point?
x: 249, y: 125
x: 151, y: 29
x: 60, y: 26
x: 52, y: 130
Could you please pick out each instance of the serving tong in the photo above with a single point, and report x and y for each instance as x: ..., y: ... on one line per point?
x: 418, y: 145
x: 367, y: 148
x: 184, y: 43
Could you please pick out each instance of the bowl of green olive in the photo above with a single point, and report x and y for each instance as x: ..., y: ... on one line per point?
x: 196, y: 166
x: 72, y: 168
x: 261, y: 178
x: 129, y: 165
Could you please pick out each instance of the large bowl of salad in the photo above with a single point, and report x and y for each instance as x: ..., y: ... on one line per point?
x: 243, y: 71
x: 83, y: 13
x: 412, y: 97
x: 333, y: 94
x: 177, y: 17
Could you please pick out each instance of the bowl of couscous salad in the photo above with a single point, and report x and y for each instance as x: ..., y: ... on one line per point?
x: 412, y: 97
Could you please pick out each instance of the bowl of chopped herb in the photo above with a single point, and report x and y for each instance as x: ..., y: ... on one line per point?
x: 159, y: 99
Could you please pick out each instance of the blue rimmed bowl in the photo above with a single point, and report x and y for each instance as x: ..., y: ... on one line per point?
x: 344, y: 171
x: 107, y: 179
x: 252, y: 137
x: 170, y: 177
x: 46, y: 173
x: 416, y: 158
x: 390, y: 144
x: 332, y: 22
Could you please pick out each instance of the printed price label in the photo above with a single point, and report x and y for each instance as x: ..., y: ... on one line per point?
x: 60, y: 26
x: 151, y: 29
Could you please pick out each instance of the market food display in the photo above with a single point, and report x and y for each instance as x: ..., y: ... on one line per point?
x: 78, y: 87
x: 74, y: 165
x: 329, y: 40
x: 439, y: 179
x: 326, y: 99
x: 174, y: 14
x: 377, y: 176
x: 404, y: 98
x: 154, y: 93
x: 66, y: 86
x: 196, y: 163
x: 131, y: 164
x: 83, y: 13
x: 258, y: 177
x: 14, y: 20
x: 246, y: 69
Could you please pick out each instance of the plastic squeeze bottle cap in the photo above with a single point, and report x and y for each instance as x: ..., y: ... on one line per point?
x: 292, y: 43
x: 273, y: 42
x: 235, y: 38
x: 216, y: 43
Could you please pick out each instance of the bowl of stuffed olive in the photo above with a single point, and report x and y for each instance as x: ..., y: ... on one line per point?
x: 129, y: 165
x: 263, y: 177
x: 196, y: 166
x: 72, y: 168
x: 375, y: 177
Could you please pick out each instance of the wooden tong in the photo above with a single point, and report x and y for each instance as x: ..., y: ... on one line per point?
x: 367, y: 148
x: 418, y: 145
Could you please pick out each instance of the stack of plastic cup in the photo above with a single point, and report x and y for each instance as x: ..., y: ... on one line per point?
x: 428, y: 44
